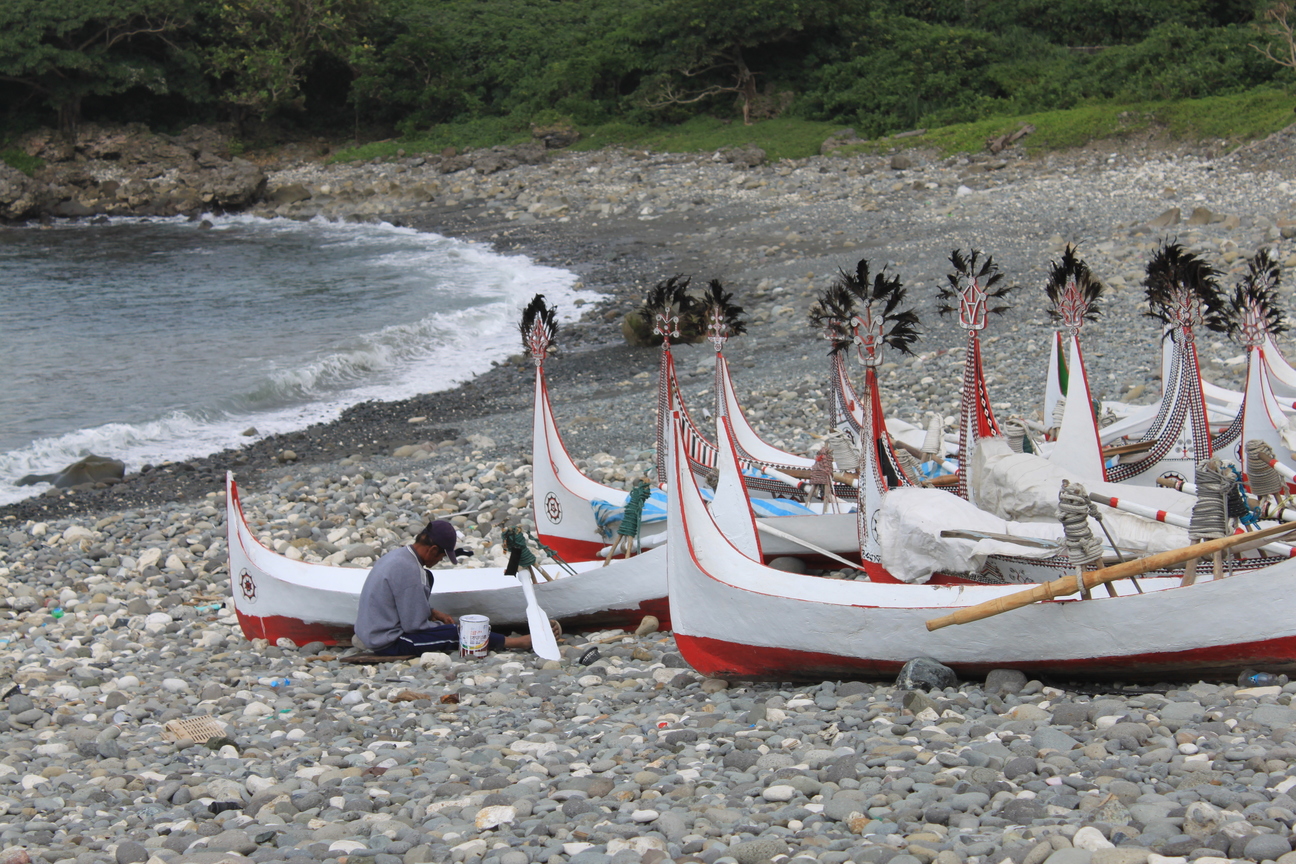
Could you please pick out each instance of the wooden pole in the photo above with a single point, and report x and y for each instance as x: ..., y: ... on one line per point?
x: 1071, y: 584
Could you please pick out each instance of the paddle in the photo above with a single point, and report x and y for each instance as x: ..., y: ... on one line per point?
x: 770, y: 529
x: 1093, y: 578
x: 543, y: 642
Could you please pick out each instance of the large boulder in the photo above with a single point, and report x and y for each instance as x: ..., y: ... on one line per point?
x: 91, y: 469
x: 19, y: 194
x: 232, y: 185
x: 744, y: 157
x: 556, y: 136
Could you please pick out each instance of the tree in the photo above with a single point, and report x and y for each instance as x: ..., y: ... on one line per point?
x: 1279, y: 25
x: 705, y: 46
x: 261, y: 50
x: 65, y: 50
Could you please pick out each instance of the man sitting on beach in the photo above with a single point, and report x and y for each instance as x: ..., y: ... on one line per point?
x: 396, y: 617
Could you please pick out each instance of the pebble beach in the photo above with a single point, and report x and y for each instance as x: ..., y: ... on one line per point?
x: 116, y: 621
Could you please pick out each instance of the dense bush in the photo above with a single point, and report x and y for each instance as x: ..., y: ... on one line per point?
x: 374, y: 66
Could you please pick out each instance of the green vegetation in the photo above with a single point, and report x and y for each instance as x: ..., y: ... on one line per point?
x: 21, y: 161
x: 694, y: 75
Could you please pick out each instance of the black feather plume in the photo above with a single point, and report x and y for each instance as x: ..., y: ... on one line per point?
x: 986, y: 275
x: 1181, y: 289
x: 1251, y: 310
x: 866, y: 295
x: 666, y: 301
x: 1071, y: 308
x: 715, y: 309
x: 539, y: 327
x: 831, y: 315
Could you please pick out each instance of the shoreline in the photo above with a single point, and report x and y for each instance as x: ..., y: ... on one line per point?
x: 774, y: 235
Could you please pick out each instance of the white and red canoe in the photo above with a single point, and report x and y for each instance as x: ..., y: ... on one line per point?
x: 563, y: 494
x: 277, y: 597
x: 735, y: 618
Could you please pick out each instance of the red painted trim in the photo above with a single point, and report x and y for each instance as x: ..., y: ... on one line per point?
x: 572, y: 550
x: 276, y: 627
x: 720, y: 659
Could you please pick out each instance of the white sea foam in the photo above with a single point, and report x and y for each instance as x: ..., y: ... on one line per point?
x: 477, y: 296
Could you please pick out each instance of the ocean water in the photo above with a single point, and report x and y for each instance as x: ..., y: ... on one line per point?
x: 149, y: 340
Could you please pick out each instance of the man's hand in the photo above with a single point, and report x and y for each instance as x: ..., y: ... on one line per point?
x: 442, y: 618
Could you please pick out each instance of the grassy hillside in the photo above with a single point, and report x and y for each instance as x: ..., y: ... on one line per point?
x: 1233, y: 120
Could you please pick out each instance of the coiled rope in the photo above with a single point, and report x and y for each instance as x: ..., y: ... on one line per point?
x: 934, y: 443
x: 1264, y: 478
x: 1239, y: 507
x: 633, y: 515
x: 843, y: 450
x: 1074, y: 510
x: 1058, y: 411
x: 1210, y: 514
x: 1014, y: 429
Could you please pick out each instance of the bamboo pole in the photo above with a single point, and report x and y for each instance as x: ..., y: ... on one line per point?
x: 1071, y: 584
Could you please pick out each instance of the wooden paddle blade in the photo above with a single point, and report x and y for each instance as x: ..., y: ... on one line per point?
x: 543, y: 642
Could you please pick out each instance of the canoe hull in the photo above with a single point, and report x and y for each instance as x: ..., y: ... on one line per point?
x: 276, y: 597
x: 735, y: 618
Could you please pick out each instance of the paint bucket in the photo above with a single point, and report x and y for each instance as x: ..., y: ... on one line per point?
x: 474, y: 635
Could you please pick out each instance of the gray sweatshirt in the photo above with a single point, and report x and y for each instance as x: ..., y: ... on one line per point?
x: 396, y: 599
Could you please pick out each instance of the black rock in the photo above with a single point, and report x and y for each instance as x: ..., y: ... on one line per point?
x: 924, y: 673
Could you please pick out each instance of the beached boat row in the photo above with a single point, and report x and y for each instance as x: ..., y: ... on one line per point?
x: 726, y: 503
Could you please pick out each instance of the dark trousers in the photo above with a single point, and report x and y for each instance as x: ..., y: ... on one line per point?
x: 443, y: 638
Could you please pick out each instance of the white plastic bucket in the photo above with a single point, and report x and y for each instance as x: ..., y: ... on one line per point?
x: 474, y: 635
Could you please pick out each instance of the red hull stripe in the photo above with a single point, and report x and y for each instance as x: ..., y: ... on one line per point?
x: 719, y: 659
x: 276, y: 627
x: 571, y: 550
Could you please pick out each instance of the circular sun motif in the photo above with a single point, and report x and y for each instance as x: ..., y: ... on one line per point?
x: 248, y: 586
x: 873, y: 528
x: 553, y: 508
x: 1174, y: 475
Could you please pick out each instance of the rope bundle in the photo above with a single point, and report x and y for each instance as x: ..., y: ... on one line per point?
x: 1210, y: 514
x: 639, y: 494
x: 1265, y: 480
x: 934, y: 443
x: 1059, y: 410
x: 1074, y: 510
x: 844, y: 452
x: 1014, y: 429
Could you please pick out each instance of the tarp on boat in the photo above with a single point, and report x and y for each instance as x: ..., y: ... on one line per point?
x: 910, y: 523
x: 1021, y: 487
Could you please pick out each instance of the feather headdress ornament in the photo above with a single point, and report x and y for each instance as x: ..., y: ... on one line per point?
x: 1250, y: 312
x: 974, y: 284
x: 1073, y: 291
x: 1181, y: 289
x: 864, y: 308
x: 721, y: 319
x: 667, y: 306
x: 539, y: 328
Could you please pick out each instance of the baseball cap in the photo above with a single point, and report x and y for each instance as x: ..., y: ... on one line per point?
x: 441, y: 533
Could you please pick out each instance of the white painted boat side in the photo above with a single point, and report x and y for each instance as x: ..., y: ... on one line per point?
x: 318, y: 593
x: 719, y: 594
